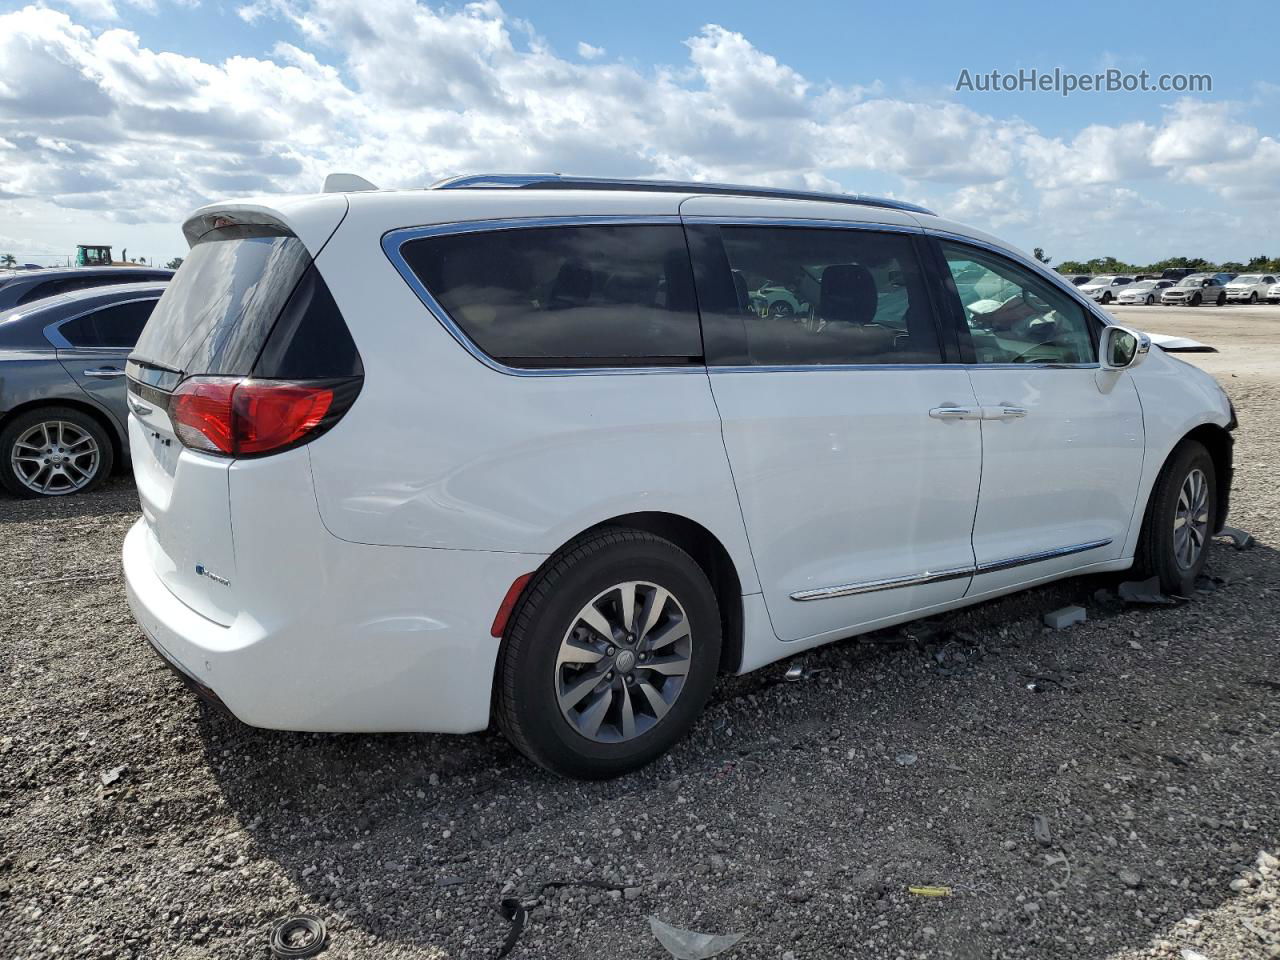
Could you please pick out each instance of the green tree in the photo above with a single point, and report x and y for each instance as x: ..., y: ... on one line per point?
x: 1039, y: 254
x: 175, y: 263
x: 8, y: 260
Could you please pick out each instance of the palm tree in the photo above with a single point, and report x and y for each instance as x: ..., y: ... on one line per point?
x: 8, y: 260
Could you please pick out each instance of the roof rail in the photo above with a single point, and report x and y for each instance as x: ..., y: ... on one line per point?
x: 554, y: 181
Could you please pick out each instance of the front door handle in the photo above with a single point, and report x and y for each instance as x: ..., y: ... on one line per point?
x: 105, y: 372
x: 949, y: 412
x: 1003, y: 412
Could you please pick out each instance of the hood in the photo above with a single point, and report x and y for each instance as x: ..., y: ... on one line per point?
x: 1180, y: 344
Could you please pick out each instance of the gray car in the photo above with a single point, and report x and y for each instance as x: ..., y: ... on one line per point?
x: 18, y: 288
x: 62, y: 387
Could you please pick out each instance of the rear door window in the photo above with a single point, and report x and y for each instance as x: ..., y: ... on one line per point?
x: 616, y: 295
x: 117, y: 326
x: 815, y: 296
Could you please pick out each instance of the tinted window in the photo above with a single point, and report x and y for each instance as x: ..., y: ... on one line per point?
x: 1014, y: 316
x: 219, y: 307
x: 116, y: 326
x: 548, y: 296
x: 822, y: 296
x: 52, y: 288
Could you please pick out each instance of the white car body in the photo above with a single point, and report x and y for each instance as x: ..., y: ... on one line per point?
x: 1105, y: 288
x: 350, y: 583
x: 1273, y: 293
x: 1250, y: 287
x: 1142, y: 291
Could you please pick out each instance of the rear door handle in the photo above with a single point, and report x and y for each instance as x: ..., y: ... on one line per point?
x: 956, y: 413
x: 105, y: 372
x: 1003, y: 412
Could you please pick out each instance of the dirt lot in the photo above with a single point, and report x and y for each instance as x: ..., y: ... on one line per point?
x: 134, y: 823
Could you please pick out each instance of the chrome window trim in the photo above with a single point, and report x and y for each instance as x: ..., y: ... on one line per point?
x: 851, y: 367
x: 53, y: 331
x: 393, y: 240
x: 812, y: 223
x: 952, y: 573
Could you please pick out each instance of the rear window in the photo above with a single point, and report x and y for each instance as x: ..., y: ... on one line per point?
x: 219, y: 308
x: 567, y: 296
x: 117, y: 326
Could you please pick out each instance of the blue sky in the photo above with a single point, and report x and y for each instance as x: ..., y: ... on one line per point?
x: 856, y: 96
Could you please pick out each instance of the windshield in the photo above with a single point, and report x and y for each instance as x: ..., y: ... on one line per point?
x: 1247, y: 279
x: 219, y: 307
x: 1143, y: 285
x: 1190, y: 281
x: 1101, y: 280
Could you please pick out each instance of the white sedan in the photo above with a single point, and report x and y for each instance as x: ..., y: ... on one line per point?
x: 1104, y: 289
x: 1250, y: 287
x: 1144, y: 291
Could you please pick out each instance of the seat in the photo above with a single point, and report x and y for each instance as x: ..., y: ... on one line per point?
x: 572, y: 286
x: 847, y: 294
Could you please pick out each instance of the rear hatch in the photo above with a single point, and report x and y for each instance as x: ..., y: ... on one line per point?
x: 245, y: 355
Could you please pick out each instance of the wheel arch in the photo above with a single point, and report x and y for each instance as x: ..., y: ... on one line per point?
x: 708, y: 552
x: 1219, y: 442
x: 103, y: 419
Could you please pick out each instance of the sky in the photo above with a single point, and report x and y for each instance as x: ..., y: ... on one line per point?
x: 119, y: 117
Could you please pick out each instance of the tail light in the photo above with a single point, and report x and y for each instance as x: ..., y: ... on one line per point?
x: 243, y: 417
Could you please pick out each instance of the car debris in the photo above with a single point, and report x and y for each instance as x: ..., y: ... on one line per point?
x: 112, y: 775
x: 930, y: 891
x: 1144, y: 591
x: 1065, y: 617
x: 1040, y: 828
x: 689, y: 944
x: 1241, y: 539
x: 301, y: 936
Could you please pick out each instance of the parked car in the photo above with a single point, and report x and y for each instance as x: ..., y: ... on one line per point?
x: 1080, y: 279
x: 775, y: 300
x: 517, y: 448
x: 1194, y: 290
x: 1273, y: 293
x: 1105, y: 288
x: 62, y: 387
x: 1143, y: 291
x: 1250, y: 287
x: 23, y: 288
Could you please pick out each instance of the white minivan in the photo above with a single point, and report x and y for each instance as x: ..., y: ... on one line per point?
x: 527, y: 449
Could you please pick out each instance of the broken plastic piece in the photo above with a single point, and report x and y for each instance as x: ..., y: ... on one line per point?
x: 794, y: 672
x: 1040, y: 827
x: 690, y: 945
x: 1064, y: 617
x: 1144, y: 591
x: 930, y: 891
x: 1242, y: 540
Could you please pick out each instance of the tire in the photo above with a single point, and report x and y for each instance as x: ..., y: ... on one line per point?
x: 532, y: 683
x: 781, y: 310
x: 1253, y: 298
x: 1150, y: 299
x: 54, y: 451
x: 1157, y: 553
x: 1197, y: 300
x: 1222, y: 299
x: 1106, y: 298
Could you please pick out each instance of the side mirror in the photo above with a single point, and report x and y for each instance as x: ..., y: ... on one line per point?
x: 1122, y: 348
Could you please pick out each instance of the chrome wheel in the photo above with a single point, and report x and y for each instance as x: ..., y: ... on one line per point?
x: 1191, y: 519
x: 55, y: 457
x: 623, y: 662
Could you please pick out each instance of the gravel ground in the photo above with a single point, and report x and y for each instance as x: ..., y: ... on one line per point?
x: 1105, y: 791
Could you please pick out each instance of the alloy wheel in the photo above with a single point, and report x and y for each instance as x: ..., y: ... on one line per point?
x: 55, y: 457
x: 623, y: 662
x: 1191, y: 519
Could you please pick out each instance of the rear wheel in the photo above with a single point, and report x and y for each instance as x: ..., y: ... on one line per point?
x: 610, y: 657
x: 1181, y: 517
x: 52, y: 452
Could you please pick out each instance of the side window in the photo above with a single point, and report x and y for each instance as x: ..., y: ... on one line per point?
x: 117, y: 326
x: 567, y: 296
x: 1014, y: 316
x: 818, y: 296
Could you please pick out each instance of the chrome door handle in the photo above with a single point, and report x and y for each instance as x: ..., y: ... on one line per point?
x: 1003, y: 412
x: 956, y: 413
x: 105, y: 372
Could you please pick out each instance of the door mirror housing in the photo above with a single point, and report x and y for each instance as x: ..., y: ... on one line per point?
x: 1122, y: 348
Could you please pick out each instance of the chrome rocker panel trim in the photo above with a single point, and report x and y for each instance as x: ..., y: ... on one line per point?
x: 953, y: 573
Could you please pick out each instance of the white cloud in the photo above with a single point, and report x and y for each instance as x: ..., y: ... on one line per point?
x: 91, y: 119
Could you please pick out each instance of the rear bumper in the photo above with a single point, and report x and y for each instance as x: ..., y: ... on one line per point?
x: 343, y: 637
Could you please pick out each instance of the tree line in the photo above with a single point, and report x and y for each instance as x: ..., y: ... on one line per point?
x: 1100, y: 265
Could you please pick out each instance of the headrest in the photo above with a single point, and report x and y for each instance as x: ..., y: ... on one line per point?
x: 848, y: 294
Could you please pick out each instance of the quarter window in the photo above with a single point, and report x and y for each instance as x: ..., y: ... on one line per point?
x: 1012, y: 315
x: 817, y: 296
x: 612, y: 295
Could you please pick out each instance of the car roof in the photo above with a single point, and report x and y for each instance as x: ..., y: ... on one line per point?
x: 60, y: 303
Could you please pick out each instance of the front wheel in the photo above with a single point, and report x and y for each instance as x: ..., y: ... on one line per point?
x: 1182, y: 515
x: 53, y: 452
x: 1197, y: 300
x: 1150, y: 299
x: 610, y: 656
x: 781, y: 310
x: 1253, y: 297
x: 1106, y: 298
